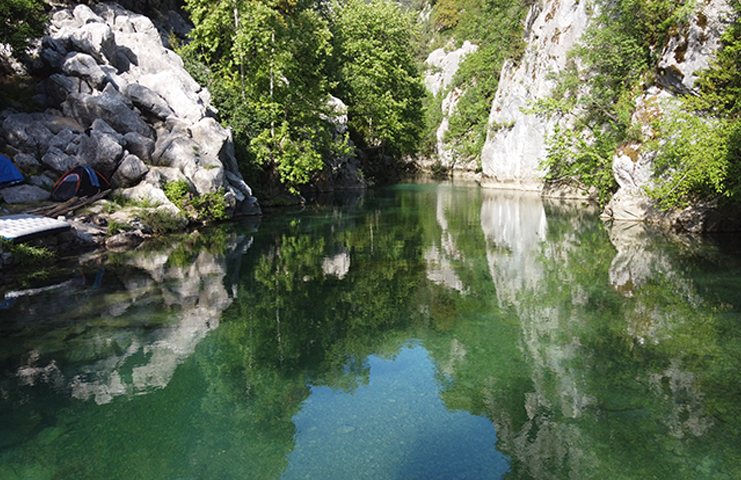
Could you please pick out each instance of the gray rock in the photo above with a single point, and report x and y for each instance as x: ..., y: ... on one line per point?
x: 210, y: 137
x: 124, y: 241
x: 58, y: 87
x: 56, y: 123
x: 83, y: 14
x: 445, y: 65
x: 179, y: 90
x: 178, y: 152
x: 58, y: 161
x: 52, y: 52
x: 24, y: 194
x: 27, y: 163
x: 97, y: 40
x: 26, y: 134
x: 147, y: 100
x: 100, y: 150
x: 110, y: 106
x: 238, y: 183
x: 84, y: 66
x: 129, y: 172
x: 42, y: 181
x: 63, y: 139
x: 208, y: 180
x: 139, y: 145
x: 100, y: 125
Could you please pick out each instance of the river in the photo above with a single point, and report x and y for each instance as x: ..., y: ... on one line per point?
x: 430, y: 331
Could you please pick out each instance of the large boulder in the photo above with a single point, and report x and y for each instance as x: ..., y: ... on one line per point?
x: 129, y: 172
x: 24, y: 194
x: 100, y: 150
x: 26, y: 133
x: 111, y: 106
x: 84, y: 66
x: 58, y: 161
x: 148, y: 100
x: 181, y: 92
x: 139, y: 145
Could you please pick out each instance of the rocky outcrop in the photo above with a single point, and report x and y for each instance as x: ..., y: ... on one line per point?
x: 441, y: 68
x: 686, y: 53
x: 341, y: 172
x: 515, y: 145
x: 117, y: 99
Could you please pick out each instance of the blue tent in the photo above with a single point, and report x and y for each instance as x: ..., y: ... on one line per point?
x: 9, y: 173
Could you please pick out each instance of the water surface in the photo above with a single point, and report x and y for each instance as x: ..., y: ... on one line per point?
x: 421, y: 331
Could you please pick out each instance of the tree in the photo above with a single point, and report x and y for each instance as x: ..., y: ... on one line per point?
x: 377, y: 76
x: 267, y: 62
x: 23, y: 20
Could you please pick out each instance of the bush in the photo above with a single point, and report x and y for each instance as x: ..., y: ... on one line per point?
x: 161, y: 221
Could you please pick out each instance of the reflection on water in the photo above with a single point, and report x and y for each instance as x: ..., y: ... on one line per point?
x: 547, y: 345
x: 404, y: 431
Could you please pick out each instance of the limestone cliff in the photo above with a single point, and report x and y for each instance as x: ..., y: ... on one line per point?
x: 442, y: 67
x: 687, y: 52
x: 516, y: 144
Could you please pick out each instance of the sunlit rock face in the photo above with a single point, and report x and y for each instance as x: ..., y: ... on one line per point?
x: 116, y: 98
x: 689, y: 50
x: 515, y: 145
x: 442, y: 67
x: 168, y: 308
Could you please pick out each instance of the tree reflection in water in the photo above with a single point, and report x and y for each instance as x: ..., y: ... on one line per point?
x: 596, y: 351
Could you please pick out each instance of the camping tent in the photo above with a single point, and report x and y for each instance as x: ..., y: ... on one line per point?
x: 81, y: 181
x: 9, y: 173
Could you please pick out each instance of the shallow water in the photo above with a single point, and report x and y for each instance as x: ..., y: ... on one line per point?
x: 421, y: 331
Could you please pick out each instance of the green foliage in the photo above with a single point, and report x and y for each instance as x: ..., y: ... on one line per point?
x: 162, y: 221
x: 23, y: 20
x: 210, y: 206
x: 571, y: 155
x: 115, y: 227
x: 495, y: 26
x: 206, y: 207
x: 617, y: 53
x: 377, y: 76
x: 265, y: 64
x: 699, y: 148
x: 124, y: 202
x: 177, y: 192
x: 27, y: 255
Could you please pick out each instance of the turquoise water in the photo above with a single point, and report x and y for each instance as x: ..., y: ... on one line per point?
x: 420, y: 331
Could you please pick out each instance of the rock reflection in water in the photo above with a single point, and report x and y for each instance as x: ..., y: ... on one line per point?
x: 172, y: 298
x: 516, y: 228
x: 606, y: 329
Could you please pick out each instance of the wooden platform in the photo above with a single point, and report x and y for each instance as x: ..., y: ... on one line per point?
x: 18, y: 228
